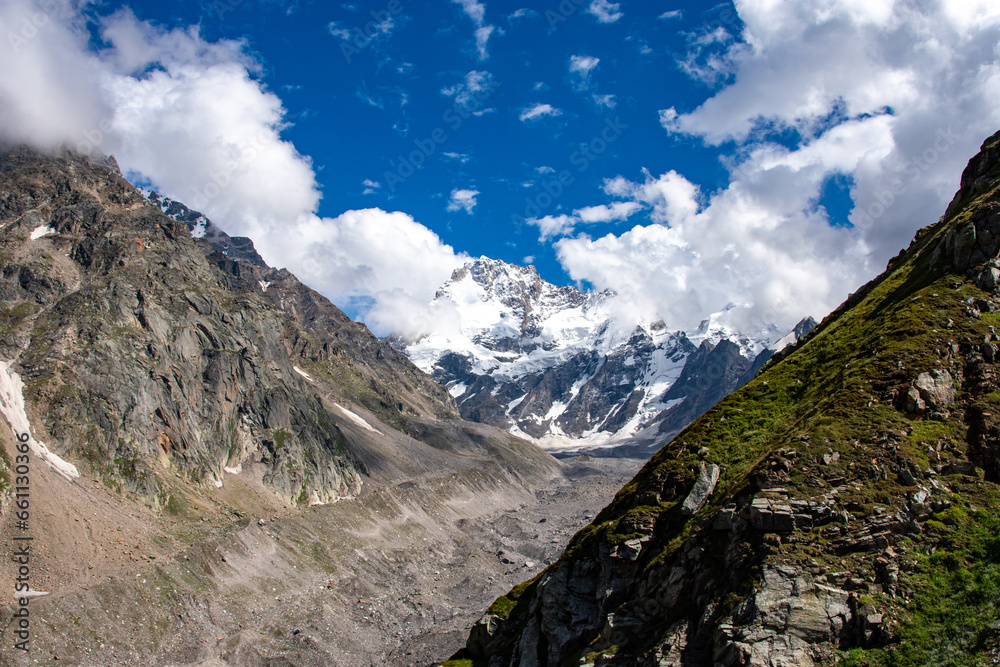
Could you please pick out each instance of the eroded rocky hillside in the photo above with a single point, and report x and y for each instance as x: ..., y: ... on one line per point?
x: 234, y: 472
x: 142, y: 348
x: 839, y: 509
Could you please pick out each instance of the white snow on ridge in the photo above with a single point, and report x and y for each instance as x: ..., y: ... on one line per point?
x: 509, y: 324
x: 302, y: 373
x: 40, y: 231
x: 12, y: 406
x: 200, y: 228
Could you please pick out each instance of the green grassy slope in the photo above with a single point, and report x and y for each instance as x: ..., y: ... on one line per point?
x: 830, y: 415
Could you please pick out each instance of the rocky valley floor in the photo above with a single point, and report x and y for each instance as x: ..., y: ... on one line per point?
x: 395, y: 577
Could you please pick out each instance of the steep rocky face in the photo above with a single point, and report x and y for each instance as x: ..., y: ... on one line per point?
x: 552, y: 364
x: 854, y: 517
x: 143, y: 349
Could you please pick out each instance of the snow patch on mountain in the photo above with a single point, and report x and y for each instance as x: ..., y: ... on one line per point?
x: 12, y: 406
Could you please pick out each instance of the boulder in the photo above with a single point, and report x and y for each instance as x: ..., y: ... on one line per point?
x: 708, y: 477
x: 936, y: 388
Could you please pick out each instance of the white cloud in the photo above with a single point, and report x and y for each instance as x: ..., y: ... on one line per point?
x: 371, y: 187
x: 462, y: 200
x: 457, y: 157
x: 615, y: 212
x: 537, y: 111
x: 472, y: 90
x: 552, y: 226
x: 672, y: 14
x: 583, y: 65
x: 607, y: 101
x: 189, y: 116
x: 606, y: 12
x: 580, y: 68
x: 474, y: 9
x: 386, y: 264
x: 477, y: 12
x: 911, y: 96
x: 482, y: 38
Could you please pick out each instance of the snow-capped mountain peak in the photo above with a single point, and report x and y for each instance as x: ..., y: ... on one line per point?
x: 553, y: 363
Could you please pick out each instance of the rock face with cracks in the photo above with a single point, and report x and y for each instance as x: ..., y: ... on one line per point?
x: 143, y: 349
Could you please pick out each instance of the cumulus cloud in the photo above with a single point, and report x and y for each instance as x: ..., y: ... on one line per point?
x: 191, y: 117
x: 552, y: 226
x: 537, y: 111
x: 462, y: 200
x: 470, y: 92
x: 892, y: 98
x: 383, y: 263
x: 615, y: 212
x: 604, y: 11
x: 476, y: 11
x: 583, y: 65
x: 555, y: 226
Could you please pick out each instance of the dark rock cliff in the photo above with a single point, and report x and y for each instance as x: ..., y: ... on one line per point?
x: 142, y: 348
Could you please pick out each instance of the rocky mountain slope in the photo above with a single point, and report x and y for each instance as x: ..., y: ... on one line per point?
x: 218, y: 361
x: 839, y: 509
x: 555, y: 364
x: 225, y: 469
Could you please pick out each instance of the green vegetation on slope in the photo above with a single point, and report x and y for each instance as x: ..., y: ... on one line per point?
x: 831, y: 414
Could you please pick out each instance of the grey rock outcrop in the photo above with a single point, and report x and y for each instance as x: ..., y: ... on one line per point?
x: 708, y: 477
x: 937, y: 389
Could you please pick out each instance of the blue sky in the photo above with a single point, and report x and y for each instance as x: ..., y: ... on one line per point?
x: 688, y: 157
x: 382, y: 101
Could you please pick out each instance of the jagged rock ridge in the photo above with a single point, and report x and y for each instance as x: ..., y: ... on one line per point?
x: 855, y: 517
x: 215, y: 359
x: 553, y: 364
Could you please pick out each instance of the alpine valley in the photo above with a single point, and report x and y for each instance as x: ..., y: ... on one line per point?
x: 219, y: 467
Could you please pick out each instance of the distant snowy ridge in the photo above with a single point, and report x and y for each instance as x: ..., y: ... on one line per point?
x: 555, y: 365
